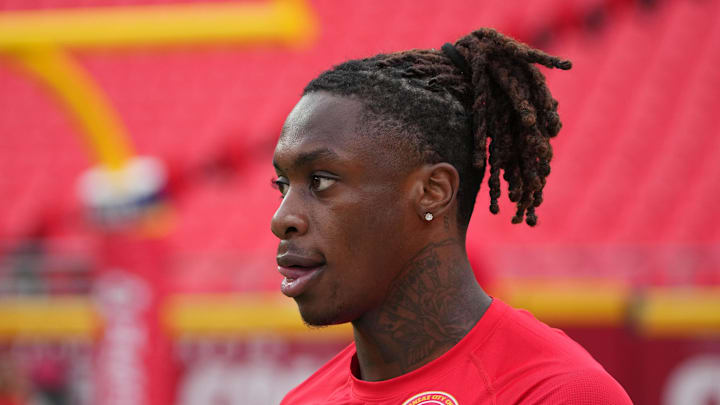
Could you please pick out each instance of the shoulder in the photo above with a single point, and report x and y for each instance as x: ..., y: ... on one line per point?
x: 324, y: 382
x: 526, y: 359
x: 589, y: 386
x: 521, y: 341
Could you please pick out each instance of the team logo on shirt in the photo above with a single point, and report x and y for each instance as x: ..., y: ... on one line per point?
x: 431, y: 398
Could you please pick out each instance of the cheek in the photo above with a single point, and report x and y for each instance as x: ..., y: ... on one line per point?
x: 372, y: 233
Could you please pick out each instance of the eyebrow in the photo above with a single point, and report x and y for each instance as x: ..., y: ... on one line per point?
x: 306, y: 158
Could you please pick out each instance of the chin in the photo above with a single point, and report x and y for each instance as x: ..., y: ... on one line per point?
x: 318, y: 322
x: 322, y: 316
x: 313, y: 318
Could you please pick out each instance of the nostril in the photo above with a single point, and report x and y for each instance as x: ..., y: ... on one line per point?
x: 290, y: 229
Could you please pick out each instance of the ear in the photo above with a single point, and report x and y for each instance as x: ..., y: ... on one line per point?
x: 440, y: 184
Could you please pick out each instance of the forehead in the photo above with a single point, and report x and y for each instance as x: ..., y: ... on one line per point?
x: 321, y: 121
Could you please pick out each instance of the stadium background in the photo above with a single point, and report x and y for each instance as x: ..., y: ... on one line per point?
x: 167, y: 293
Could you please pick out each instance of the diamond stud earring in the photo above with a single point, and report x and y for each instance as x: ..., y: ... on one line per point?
x: 428, y: 216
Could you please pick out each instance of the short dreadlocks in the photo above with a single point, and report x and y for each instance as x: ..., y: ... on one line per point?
x: 491, y: 105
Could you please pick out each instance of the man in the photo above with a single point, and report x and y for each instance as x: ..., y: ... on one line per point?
x: 379, y: 165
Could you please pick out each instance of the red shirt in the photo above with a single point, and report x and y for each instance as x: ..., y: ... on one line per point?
x: 509, y: 357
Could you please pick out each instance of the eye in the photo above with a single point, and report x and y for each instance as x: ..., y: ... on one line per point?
x: 321, y: 183
x: 281, y: 184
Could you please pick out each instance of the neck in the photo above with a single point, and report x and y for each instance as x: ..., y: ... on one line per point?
x: 432, y: 304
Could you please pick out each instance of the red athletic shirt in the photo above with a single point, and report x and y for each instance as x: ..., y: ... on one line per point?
x: 509, y: 357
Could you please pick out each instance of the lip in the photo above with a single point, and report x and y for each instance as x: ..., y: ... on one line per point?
x: 295, y: 260
x: 298, y: 279
x: 299, y: 271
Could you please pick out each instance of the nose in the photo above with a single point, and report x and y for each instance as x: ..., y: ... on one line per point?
x: 289, y: 219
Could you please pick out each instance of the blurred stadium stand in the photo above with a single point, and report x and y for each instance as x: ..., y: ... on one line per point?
x: 626, y: 257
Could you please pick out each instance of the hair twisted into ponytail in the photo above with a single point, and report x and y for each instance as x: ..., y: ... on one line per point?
x: 522, y: 119
x: 500, y: 112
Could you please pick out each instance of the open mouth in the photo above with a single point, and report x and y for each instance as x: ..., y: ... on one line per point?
x: 299, y: 272
x: 297, y: 279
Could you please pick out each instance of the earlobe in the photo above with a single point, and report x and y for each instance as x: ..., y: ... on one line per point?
x: 440, y: 183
